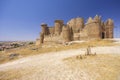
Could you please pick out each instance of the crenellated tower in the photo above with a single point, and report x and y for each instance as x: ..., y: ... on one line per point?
x: 77, y: 24
x: 58, y: 26
x: 44, y: 29
x: 109, y: 25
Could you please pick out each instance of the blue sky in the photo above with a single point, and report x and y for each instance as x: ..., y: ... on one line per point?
x: 21, y: 19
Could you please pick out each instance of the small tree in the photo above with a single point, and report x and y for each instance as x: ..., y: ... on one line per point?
x: 30, y: 43
x: 15, y: 45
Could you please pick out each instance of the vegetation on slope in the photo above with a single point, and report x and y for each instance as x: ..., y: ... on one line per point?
x: 31, y: 49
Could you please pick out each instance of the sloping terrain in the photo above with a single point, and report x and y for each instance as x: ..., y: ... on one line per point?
x: 63, y: 65
x: 50, y: 66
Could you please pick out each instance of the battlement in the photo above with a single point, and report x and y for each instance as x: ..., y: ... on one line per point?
x: 59, y: 21
x: 43, y: 24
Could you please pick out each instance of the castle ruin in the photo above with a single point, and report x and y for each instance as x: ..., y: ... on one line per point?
x: 76, y: 29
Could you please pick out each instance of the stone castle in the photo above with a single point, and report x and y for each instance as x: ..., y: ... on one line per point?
x: 76, y: 29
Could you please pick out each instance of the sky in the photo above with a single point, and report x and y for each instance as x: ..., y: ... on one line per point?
x: 21, y: 19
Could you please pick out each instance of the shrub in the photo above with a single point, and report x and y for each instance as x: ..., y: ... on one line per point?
x: 30, y: 43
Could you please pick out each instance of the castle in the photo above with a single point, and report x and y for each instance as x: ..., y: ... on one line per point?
x: 76, y: 29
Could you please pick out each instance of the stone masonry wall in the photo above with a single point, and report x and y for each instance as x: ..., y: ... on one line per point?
x: 76, y: 29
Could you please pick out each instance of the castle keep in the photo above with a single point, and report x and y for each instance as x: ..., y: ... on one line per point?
x: 76, y: 29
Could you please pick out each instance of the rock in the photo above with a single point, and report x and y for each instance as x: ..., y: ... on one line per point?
x: 13, y: 55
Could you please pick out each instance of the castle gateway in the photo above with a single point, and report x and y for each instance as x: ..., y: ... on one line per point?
x: 76, y: 29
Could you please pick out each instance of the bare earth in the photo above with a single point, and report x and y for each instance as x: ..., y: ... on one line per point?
x: 49, y: 66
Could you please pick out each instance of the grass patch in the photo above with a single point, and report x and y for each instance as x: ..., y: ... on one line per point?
x: 15, y: 74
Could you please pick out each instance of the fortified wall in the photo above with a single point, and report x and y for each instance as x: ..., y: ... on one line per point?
x: 76, y: 29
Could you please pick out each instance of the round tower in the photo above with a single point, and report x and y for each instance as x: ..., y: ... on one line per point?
x: 109, y: 25
x: 44, y: 29
x: 93, y: 29
x: 66, y: 34
x: 77, y: 24
x: 97, y: 19
x: 90, y: 20
x: 58, y: 26
x: 41, y: 37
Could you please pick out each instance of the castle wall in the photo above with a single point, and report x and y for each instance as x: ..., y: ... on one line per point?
x: 76, y: 36
x: 37, y: 42
x: 93, y: 30
x: 53, y: 38
x: 83, y: 35
x: 51, y: 30
x: 76, y: 30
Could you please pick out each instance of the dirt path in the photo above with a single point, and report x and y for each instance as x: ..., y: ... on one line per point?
x: 50, y: 66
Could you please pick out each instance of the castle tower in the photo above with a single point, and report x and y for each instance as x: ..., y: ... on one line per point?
x: 41, y: 37
x: 77, y: 24
x: 109, y: 25
x: 66, y: 34
x: 51, y: 30
x: 93, y: 29
x: 90, y: 20
x: 44, y: 29
x: 58, y: 26
x: 97, y: 19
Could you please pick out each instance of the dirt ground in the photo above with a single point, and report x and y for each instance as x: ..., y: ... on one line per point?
x: 63, y: 65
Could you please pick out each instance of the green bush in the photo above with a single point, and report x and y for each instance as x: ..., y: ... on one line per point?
x: 15, y: 45
x: 30, y: 43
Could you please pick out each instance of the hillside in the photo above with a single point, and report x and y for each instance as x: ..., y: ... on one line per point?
x: 64, y: 65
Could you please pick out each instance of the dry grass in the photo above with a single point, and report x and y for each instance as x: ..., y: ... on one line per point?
x: 8, y: 76
x: 50, y: 47
x: 15, y: 74
x: 99, y: 67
